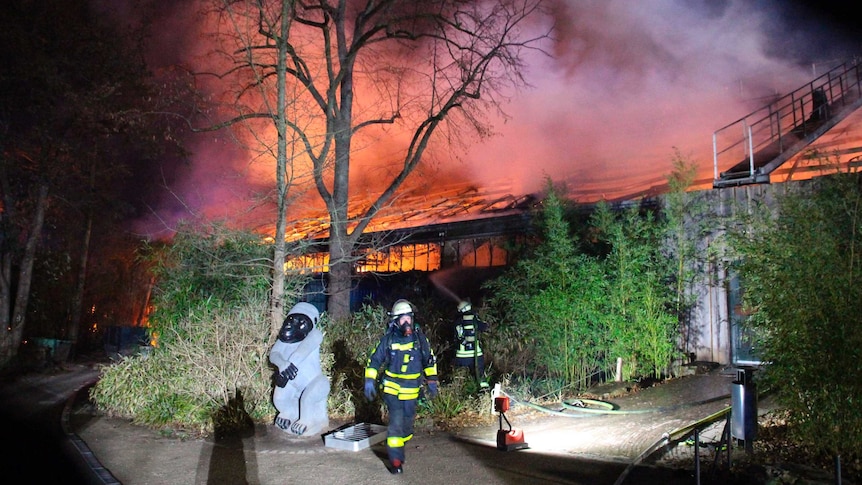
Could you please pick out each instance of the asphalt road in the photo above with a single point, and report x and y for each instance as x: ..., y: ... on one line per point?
x: 36, y: 448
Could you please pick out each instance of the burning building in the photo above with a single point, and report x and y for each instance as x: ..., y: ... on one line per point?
x: 814, y: 130
x: 457, y: 226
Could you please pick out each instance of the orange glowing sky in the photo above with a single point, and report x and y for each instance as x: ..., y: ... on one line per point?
x: 624, y: 85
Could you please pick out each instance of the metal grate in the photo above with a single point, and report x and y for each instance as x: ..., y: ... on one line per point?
x: 355, y: 437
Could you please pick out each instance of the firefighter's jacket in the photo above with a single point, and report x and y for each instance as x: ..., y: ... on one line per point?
x: 467, y: 329
x: 403, y: 361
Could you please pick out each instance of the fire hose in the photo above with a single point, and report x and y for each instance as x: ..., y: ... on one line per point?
x: 582, y: 407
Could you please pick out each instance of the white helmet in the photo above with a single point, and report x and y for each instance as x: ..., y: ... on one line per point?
x: 464, y: 306
x: 401, y: 307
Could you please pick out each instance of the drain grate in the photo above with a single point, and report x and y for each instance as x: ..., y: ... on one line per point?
x: 355, y: 437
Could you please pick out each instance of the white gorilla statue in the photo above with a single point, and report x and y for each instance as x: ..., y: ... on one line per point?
x: 301, y: 389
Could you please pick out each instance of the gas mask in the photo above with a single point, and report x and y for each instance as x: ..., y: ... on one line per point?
x: 404, y: 323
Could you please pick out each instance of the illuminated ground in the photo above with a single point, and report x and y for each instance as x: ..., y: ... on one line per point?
x: 587, y: 450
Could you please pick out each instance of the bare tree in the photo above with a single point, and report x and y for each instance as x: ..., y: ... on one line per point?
x: 252, y: 40
x: 403, y: 73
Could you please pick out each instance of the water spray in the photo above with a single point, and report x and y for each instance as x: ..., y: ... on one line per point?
x: 436, y: 281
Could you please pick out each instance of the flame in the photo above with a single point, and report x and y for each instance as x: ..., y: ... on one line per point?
x: 419, y: 207
x: 407, y: 257
x: 307, y: 263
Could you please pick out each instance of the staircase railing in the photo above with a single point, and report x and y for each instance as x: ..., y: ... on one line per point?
x: 747, y: 146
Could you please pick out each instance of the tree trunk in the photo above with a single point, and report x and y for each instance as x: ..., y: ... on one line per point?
x: 340, y: 281
x: 5, y: 306
x: 141, y: 314
x: 25, y: 276
x: 340, y: 265
x: 6, y: 261
x: 74, y: 326
x: 276, y: 308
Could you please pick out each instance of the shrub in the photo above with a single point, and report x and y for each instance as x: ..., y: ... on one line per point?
x: 543, y: 303
x: 212, y: 332
x: 347, y: 343
x: 800, y: 268
x: 574, y: 313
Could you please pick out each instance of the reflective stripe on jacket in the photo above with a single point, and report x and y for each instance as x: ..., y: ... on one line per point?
x: 466, y: 333
x: 403, y: 360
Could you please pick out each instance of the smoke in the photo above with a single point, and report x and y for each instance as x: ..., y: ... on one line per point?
x: 628, y: 83
x: 625, y: 85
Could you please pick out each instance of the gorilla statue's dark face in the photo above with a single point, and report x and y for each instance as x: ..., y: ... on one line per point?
x: 295, y: 328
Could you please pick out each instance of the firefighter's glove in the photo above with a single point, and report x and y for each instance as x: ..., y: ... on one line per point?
x: 370, y: 389
x: 433, y: 390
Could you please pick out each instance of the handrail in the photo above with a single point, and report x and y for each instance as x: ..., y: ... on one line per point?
x: 743, y: 147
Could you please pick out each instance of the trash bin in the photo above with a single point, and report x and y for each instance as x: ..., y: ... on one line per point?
x: 743, y: 412
x: 57, y: 350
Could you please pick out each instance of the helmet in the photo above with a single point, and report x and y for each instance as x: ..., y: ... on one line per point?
x: 299, y: 322
x: 401, y: 307
x: 464, y: 306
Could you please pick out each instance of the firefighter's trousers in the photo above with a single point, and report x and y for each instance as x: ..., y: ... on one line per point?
x: 401, y: 416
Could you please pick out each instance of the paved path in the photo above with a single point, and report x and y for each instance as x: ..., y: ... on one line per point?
x: 589, y: 450
x: 139, y: 456
x: 35, y: 446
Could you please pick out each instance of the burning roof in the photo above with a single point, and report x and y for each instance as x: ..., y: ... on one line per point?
x: 420, y: 207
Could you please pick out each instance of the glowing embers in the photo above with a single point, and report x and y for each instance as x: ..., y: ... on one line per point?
x: 428, y: 256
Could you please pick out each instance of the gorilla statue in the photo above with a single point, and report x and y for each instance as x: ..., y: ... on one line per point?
x: 301, y: 389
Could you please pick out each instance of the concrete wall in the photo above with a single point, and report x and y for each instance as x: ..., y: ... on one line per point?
x: 710, y: 336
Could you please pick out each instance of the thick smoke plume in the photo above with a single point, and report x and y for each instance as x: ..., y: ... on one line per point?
x: 631, y: 82
x: 624, y: 86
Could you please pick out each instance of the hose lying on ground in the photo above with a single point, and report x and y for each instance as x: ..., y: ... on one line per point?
x: 580, y: 405
x: 581, y: 408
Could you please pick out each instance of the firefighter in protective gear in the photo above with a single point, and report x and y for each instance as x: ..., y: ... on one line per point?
x: 301, y: 389
x: 403, y: 359
x: 469, y: 352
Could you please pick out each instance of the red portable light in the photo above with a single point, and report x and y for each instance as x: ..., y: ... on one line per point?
x: 511, y: 439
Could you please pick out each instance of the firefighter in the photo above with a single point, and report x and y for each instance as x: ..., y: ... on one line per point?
x: 405, y: 358
x: 469, y: 352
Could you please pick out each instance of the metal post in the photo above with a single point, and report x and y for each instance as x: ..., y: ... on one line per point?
x: 729, y: 439
x: 837, y: 469
x: 778, y: 130
x: 697, y: 456
x: 750, y: 152
x: 714, y: 157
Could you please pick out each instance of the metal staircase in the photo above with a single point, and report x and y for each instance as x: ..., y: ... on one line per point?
x: 761, y: 141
